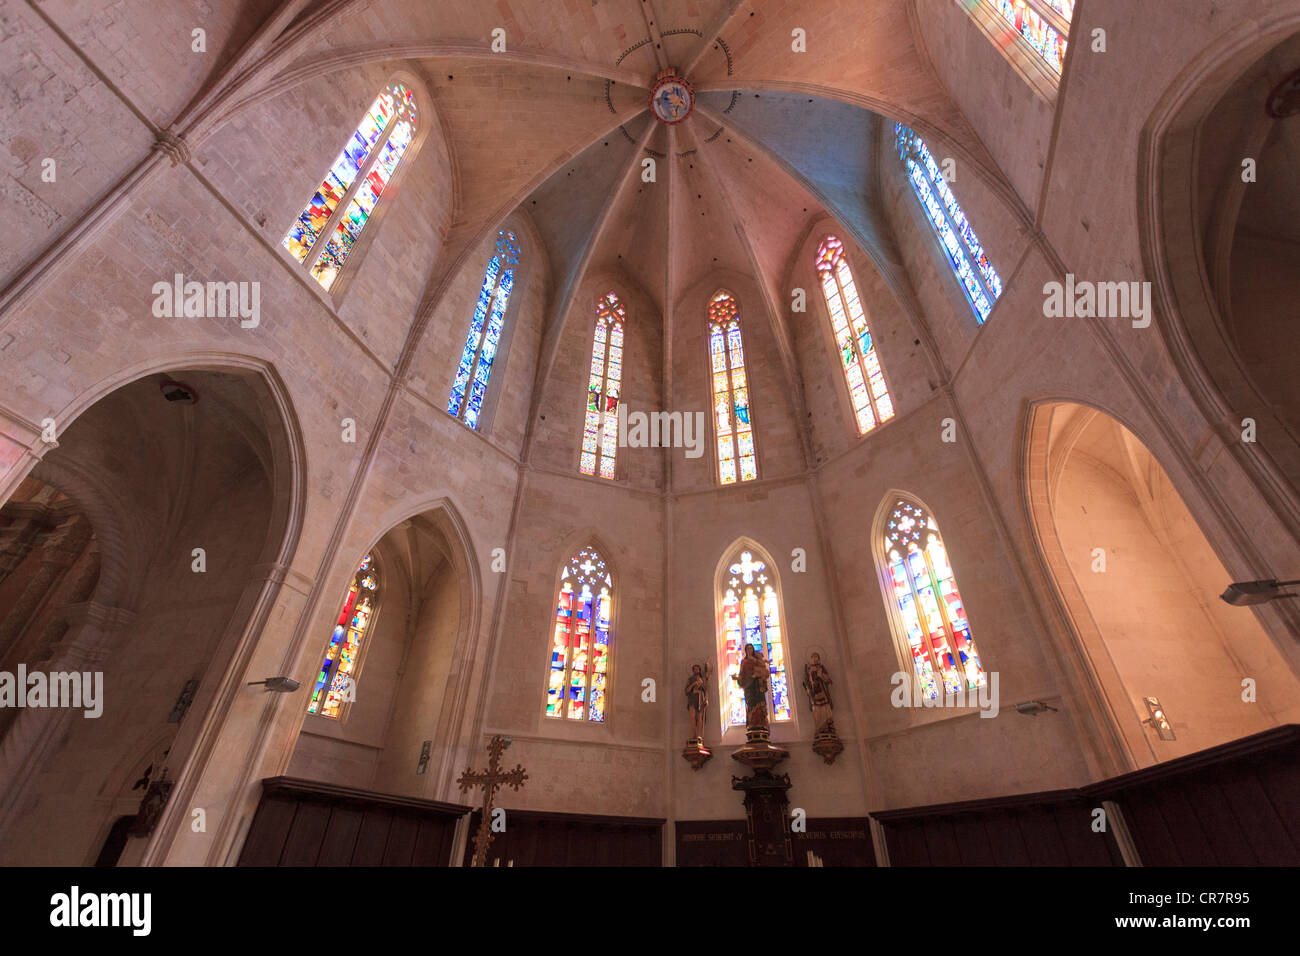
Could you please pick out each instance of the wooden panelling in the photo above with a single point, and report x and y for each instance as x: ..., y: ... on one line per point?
x: 1046, y: 829
x: 1234, y: 805
x: 301, y: 823
x: 566, y: 839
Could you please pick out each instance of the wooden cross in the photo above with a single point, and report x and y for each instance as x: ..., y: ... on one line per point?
x: 490, y: 780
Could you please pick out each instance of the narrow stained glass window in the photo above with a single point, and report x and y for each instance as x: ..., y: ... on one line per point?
x: 751, y: 614
x: 930, y: 607
x: 731, y: 418
x: 576, y: 682
x: 600, y: 428
x: 1044, y: 25
x: 484, y: 332
x: 971, y: 265
x: 336, y: 680
x: 862, y: 370
x: 326, y: 230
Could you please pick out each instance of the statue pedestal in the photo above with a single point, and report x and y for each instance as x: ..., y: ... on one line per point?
x: 696, y: 754
x: 827, y: 746
x: 766, y: 804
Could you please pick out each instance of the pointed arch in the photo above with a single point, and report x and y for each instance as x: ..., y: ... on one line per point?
x: 600, y: 427
x: 732, y: 410
x: 1129, y: 565
x: 919, y: 586
x: 582, y: 629
x: 325, y: 232
x: 863, y: 372
x: 469, y: 388
x: 343, y: 653
x: 975, y: 273
x: 750, y: 610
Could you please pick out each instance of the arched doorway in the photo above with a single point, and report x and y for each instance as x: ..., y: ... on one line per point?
x: 394, y: 731
x: 1139, y: 582
x: 149, y: 530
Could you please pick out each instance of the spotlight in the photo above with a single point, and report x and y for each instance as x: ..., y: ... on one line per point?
x: 178, y: 392
x: 282, y: 685
x: 1158, y: 719
x: 1243, y: 593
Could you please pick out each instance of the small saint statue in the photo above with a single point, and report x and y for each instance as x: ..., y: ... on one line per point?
x: 752, y: 677
x: 697, y: 699
x: 817, y: 682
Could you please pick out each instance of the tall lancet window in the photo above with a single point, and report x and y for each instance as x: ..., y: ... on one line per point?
x: 600, y: 430
x: 327, y: 229
x: 751, y: 614
x: 470, y: 386
x: 976, y: 275
x: 929, y: 606
x: 579, y: 669
x: 866, y: 379
x: 731, y: 417
x: 1044, y: 25
x: 335, y: 682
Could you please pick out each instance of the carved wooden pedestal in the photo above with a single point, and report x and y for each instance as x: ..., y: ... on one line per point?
x: 766, y: 805
x: 827, y: 746
x: 767, y: 813
x: 695, y: 753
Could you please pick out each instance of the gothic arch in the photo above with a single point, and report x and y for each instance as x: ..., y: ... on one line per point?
x: 445, y: 518
x: 1188, y: 261
x: 262, y: 424
x: 1132, y: 490
x: 569, y: 547
x: 784, y: 729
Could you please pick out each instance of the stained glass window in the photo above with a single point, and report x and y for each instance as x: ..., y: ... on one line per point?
x: 336, y: 680
x: 1044, y: 24
x: 328, y: 227
x: 751, y: 614
x: 862, y: 370
x: 600, y: 428
x: 731, y: 418
x: 975, y: 273
x: 576, y: 682
x: 484, y: 332
x: 930, y: 607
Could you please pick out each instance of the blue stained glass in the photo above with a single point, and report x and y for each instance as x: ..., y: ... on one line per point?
x: 980, y: 281
x: 484, y: 332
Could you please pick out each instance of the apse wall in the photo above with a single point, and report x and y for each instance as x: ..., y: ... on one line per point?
x: 777, y: 440
x: 615, y: 767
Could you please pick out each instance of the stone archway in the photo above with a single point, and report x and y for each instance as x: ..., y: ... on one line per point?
x: 415, y: 662
x: 190, y: 503
x: 1218, y: 242
x: 1139, y: 583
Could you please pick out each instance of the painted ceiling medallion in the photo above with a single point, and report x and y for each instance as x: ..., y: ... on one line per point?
x: 671, y: 98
